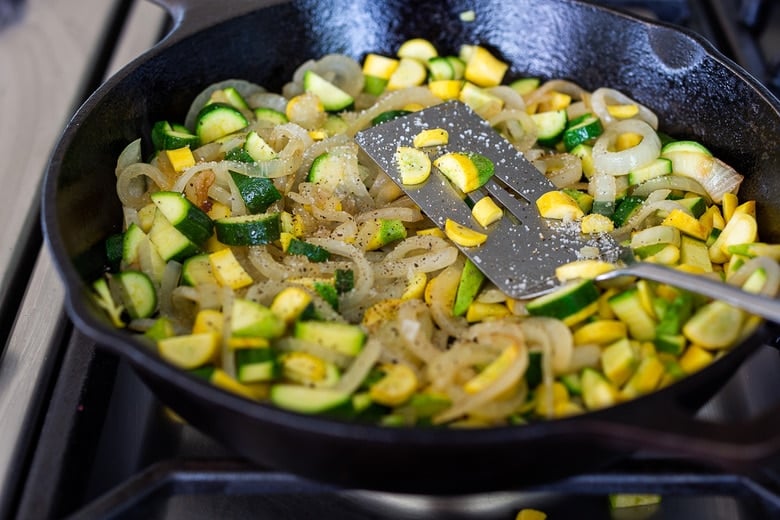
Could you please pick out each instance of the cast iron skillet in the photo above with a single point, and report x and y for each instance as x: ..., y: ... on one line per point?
x: 697, y: 93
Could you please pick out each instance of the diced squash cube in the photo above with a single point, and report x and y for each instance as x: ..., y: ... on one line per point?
x: 180, y: 158
x: 486, y: 211
x: 227, y: 270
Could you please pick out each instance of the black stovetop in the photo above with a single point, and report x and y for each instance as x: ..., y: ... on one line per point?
x: 106, y: 448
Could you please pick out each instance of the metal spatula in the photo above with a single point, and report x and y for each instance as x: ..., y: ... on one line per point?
x: 522, y: 249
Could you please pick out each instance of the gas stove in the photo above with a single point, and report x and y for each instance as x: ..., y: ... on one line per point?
x: 95, y: 443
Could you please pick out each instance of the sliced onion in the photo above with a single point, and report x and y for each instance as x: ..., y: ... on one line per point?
x: 670, y: 182
x: 131, y: 184
x: 576, y: 109
x: 517, y: 126
x: 130, y: 155
x: 508, y: 378
x: 268, y: 100
x: 558, y: 85
x: 722, y: 179
x: 622, y: 162
x: 606, y: 96
x: 563, y: 169
x: 353, y: 377
x: 771, y: 270
x: 511, y: 98
x: 339, y: 69
x: 602, y: 188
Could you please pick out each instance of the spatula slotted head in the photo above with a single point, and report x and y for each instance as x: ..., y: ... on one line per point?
x: 522, y: 249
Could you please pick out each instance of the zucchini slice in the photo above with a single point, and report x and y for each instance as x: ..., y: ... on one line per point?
x: 306, y: 399
x: 248, y: 230
x: 341, y: 337
x: 138, y: 293
x: 185, y: 216
x: 582, y: 130
x: 170, y: 136
x: 258, y: 192
x: 549, y: 126
x: 566, y: 301
x: 333, y: 98
x: 217, y: 120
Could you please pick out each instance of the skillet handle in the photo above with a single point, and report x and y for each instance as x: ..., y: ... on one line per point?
x: 190, y: 16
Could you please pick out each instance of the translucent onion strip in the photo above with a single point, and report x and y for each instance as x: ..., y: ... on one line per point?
x: 353, y: 377
x: 620, y: 163
x: 509, y: 377
x: 603, y: 97
x: 131, y: 184
x: 671, y: 182
x: 771, y: 271
x: 558, y: 85
x: 130, y: 155
x: 563, y: 169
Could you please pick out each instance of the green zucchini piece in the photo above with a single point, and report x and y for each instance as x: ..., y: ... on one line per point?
x: 234, y: 97
x: 572, y: 382
x: 130, y: 242
x: 257, y: 148
x: 696, y: 205
x: 272, y: 116
x: 304, y: 399
x: 677, y: 312
x: 254, y: 365
x: 628, y: 308
x: 328, y: 293
x: 582, y: 130
x: 565, y: 301
x: 138, y: 293
x: 344, y: 280
x: 168, y: 136
x: 533, y: 374
x: 597, y: 391
x: 626, y: 208
x: 327, y: 170
x: 525, y: 86
x: 656, y: 168
x: 439, y: 67
x: 248, y: 230
x: 549, y: 126
x: 249, y: 318
x: 672, y: 343
x: 185, y: 216
x: 169, y: 241
x: 333, y: 98
x: 471, y: 279
x: 196, y: 270
x: 341, y: 337
x: 313, y: 252
x: 217, y: 120
x: 258, y: 192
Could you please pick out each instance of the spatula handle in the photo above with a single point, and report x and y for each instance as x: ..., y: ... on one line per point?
x: 768, y: 308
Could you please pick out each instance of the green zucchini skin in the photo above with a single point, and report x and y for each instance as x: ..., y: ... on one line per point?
x: 258, y: 192
x: 249, y: 230
x: 186, y: 217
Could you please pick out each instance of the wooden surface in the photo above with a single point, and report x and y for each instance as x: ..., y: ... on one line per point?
x: 45, y: 59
